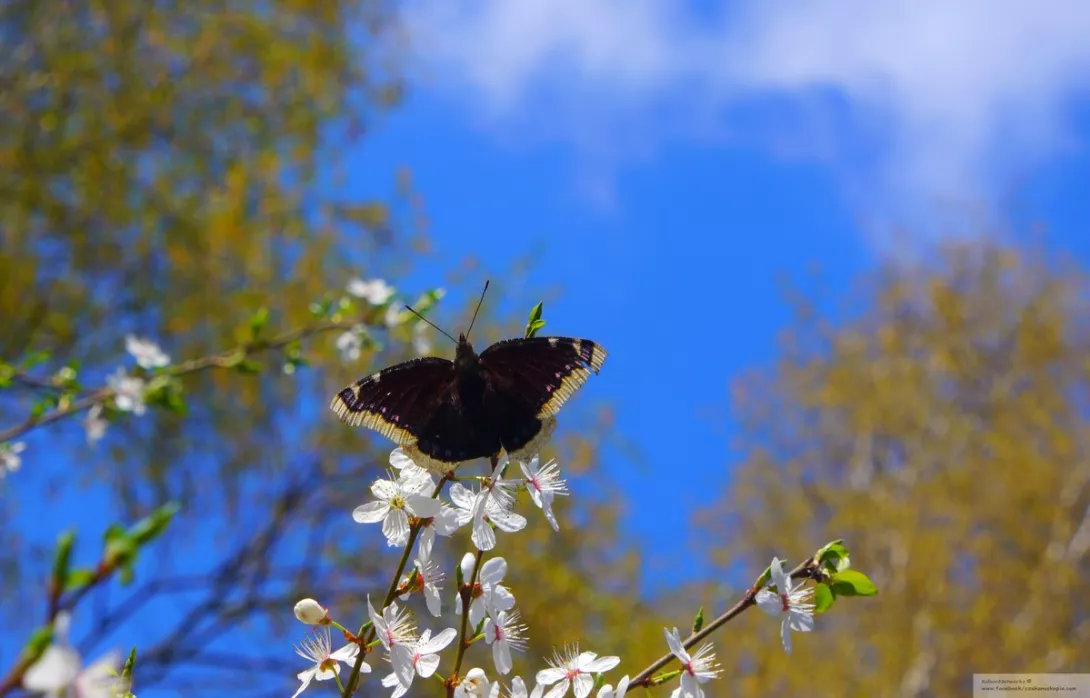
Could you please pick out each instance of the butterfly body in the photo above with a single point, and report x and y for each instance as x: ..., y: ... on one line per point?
x: 446, y: 412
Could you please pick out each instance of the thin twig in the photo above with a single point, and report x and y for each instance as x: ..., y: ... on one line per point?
x: 644, y: 678
x: 227, y: 359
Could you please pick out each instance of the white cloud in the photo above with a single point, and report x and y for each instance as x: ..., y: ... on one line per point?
x: 908, y: 100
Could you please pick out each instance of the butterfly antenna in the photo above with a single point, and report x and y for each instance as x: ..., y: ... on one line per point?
x: 478, y: 308
x: 409, y: 308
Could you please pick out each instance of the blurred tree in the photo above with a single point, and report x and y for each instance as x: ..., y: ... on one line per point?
x: 169, y: 169
x: 943, y: 430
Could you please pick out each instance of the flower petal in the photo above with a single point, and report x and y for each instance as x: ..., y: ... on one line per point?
x: 673, y: 640
x: 559, y: 689
x: 769, y: 602
x: 507, y: 521
x: 396, y: 528
x: 306, y: 678
x: 426, y: 665
x: 402, y: 658
x: 384, y: 489
x: 602, y: 664
x: 785, y: 634
x: 501, y: 655
x: 583, y: 685
x: 483, y: 536
x: 493, y: 571
x: 372, y: 512
x: 547, y: 677
x: 346, y: 653
x: 422, y: 505
x: 439, y: 642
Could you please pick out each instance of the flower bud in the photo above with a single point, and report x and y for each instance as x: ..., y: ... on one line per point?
x: 310, y: 612
x: 468, y: 561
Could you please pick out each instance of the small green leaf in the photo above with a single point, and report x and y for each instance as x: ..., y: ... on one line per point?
x: 130, y: 663
x: 249, y: 366
x: 535, y: 322
x: 823, y: 598
x: 125, y: 574
x: 39, y: 639
x: 258, y: 321
x: 35, y: 358
x: 853, y: 583
x: 77, y: 579
x: 62, y: 557
x: 698, y: 622
x: 152, y: 526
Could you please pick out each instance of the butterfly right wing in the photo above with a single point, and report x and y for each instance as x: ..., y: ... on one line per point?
x: 397, y: 402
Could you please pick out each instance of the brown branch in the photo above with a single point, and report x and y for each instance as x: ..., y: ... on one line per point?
x: 644, y: 678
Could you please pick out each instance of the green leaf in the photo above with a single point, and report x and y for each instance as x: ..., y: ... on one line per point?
x: 125, y: 574
x: 77, y: 579
x: 152, y: 526
x: 823, y: 598
x: 39, y: 639
x: 853, y: 583
x: 698, y: 622
x: 36, y: 358
x: 62, y: 557
x: 535, y: 322
x: 258, y: 321
x: 249, y: 366
x: 130, y: 664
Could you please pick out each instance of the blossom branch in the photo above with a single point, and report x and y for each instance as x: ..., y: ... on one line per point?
x: 645, y: 678
x: 414, y: 531
x: 224, y: 360
x: 465, y: 593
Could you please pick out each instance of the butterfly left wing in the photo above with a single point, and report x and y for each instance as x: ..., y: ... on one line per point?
x: 530, y: 381
x: 398, y: 401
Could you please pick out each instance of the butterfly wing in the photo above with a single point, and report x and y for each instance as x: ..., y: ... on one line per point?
x: 418, y: 405
x: 398, y: 401
x: 530, y: 380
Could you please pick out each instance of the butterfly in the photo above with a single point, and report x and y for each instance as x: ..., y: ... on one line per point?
x: 443, y: 413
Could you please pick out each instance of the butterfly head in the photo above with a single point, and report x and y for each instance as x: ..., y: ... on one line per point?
x: 465, y: 359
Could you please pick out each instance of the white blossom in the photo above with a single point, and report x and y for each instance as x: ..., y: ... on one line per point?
x: 695, y: 669
x: 128, y: 392
x: 95, y: 425
x: 310, y: 612
x: 518, y: 689
x: 504, y: 633
x: 608, y: 691
x: 146, y: 352
x: 475, y: 685
x: 421, y: 343
x: 317, y: 648
x: 10, y: 460
x: 489, y: 597
x: 790, y: 601
x: 59, y: 671
x: 393, y: 626
x: 374, y: 291
x: 544, y: 484
x: 350, y: 343
x: 574, y: 669
x: 419, y: 658
x: 491, y: 505
x: 429, y: 578
x: 394, y: 316
x: 396, y: 500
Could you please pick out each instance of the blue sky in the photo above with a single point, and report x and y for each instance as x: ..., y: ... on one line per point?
x: 668, y: 164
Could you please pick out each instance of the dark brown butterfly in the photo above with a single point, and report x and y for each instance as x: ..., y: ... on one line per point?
x: 444, y: 413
